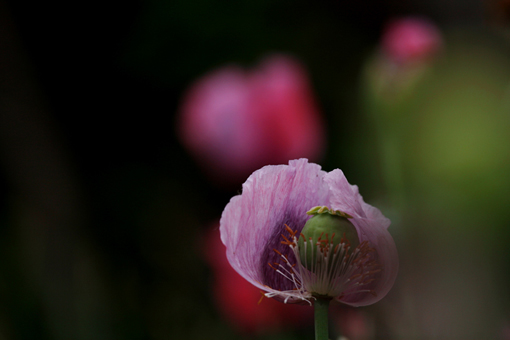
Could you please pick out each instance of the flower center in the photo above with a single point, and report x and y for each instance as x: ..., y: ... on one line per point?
x: 327, y: 266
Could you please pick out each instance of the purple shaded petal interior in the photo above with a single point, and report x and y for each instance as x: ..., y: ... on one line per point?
x: 252, y: 223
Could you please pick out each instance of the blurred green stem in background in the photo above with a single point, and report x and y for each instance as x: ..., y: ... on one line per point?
x: 392, y: 170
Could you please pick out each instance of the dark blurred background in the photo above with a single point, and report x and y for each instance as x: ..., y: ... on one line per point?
x: 105, y: 214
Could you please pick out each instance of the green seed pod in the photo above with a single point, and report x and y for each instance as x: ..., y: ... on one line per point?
x: 328, y: 229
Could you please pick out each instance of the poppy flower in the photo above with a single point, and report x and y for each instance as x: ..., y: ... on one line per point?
x: 234, y: 121
x: 261, y: 229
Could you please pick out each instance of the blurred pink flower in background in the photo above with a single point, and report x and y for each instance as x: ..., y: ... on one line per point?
x: 241, y: 303
x: 411, y: 39
x: 408, y: 50
x: 235, y: 121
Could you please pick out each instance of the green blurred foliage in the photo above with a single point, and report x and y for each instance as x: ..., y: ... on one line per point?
x: 444, y: 149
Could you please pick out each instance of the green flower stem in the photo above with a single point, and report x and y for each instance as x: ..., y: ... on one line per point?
x: 321, y: 307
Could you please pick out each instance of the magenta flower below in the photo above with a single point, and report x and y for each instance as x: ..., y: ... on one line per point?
x: 261, y: 229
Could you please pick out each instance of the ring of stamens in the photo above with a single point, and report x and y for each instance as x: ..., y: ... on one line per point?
x: 332, y: 272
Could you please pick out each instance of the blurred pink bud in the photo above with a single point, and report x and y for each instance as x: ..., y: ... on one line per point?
x: 243, y: 304
x: 235, y: 121
x: 411, y: 39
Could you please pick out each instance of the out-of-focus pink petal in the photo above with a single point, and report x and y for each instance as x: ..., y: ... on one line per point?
x: 288, y: 109
x: 235, y: 121
x: 411, y: 39
x: 252, y: 223
x: 218, y: 121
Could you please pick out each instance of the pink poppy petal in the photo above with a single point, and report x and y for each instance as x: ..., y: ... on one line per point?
x: 375, y: 232
x: 344, y: 196
x: 371, y: 226
x: 251, y: 223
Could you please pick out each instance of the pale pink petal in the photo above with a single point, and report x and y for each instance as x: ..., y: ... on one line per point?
x: 344, y: 196
x: 371, y: 226
x: 252, y: 223
x: 375, y: 232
